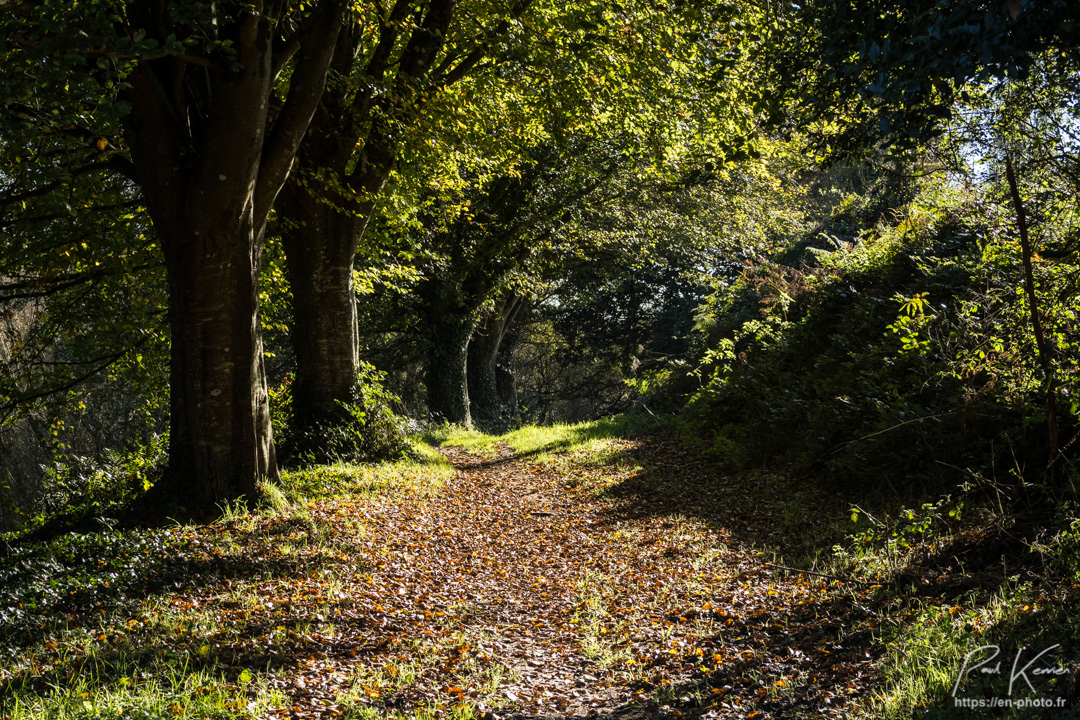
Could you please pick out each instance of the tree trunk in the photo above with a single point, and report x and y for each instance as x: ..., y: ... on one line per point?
x: 446, y: 366
x: 326, y: 215
x: 1049, y: 381
x: 319, y: 243
x: 322, y: 229
x: 220, y: 440
x: 483, y: 391
x: 488, y: 407
x: 506, y: 369
x: 210, y: 165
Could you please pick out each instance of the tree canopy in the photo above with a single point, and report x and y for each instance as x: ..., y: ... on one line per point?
x: 461, y: 192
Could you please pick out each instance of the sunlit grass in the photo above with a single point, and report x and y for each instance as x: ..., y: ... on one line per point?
x: 421, y: 472
x: 474, y: 441
x: 146, y: 661
x: 924, y: 656
x: 135, y: 693
x: 596, y: 441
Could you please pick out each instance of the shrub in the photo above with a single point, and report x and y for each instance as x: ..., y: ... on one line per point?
x: 897, y: 357
x: 363, y: 429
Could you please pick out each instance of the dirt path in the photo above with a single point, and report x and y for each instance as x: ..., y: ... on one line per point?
x: 528, y: 589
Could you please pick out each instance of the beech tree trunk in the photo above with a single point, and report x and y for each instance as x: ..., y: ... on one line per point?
x: 319, y: 258
x: 326, y: 220
x: 483, y: 392
x: 210, y: 166
x: 490, y: 407
x: 446, y: 366
x: 220, y: 440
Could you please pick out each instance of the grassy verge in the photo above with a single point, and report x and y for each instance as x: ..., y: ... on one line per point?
x: 420, y: 472
x: 963, y: 591
x: 190, y: 621
x: 976, y: 621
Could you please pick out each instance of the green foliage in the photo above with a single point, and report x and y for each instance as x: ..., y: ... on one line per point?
x: 621, y: 292
x: 362, y: 430
x: 858, y: 72
x: 1061, y: 551
x: 897, y: 533
x: 898, y: 355
x: 83, y: 348
x: 41, y: 580
x: 101, y: 485
x: 911, y: 324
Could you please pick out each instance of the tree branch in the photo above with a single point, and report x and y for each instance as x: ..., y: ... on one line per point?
x: 426, y: 41
x: 305, y: 90
x: 388, y: 34
x: 292, y: 46
x: 7, y: 409
x: 445, y: 75
x: 56, y: 216
x: 103, y: 54
x: 62, y: 283
x: 110, y: 165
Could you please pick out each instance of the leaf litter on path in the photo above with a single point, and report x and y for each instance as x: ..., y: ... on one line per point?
x: 525, y: 586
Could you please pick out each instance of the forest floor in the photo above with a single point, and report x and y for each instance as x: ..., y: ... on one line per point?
x: 547, y: 588
x: 556, y: 589
x: 576, y: 576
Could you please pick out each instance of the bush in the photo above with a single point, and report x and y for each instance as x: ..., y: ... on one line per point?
x: 900, y: 356
x: 362, y: 429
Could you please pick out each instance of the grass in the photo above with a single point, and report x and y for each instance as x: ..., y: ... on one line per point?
x: 138, y: 624
x: 597, y: 442
x: 593, y: 455
x: 420, y: 472
x: 594, y: 597
x: 932, y: 642
x: 942, y: 596
x: 117, y: 666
